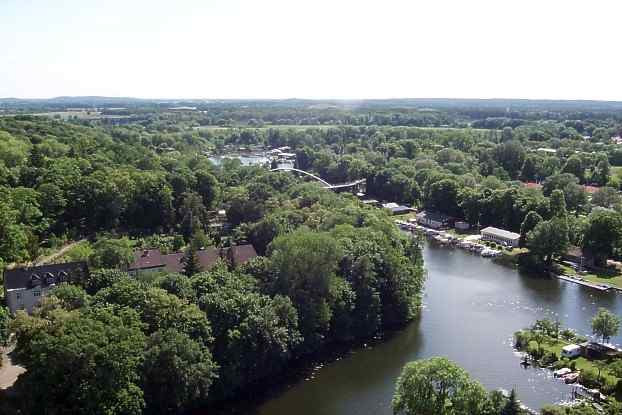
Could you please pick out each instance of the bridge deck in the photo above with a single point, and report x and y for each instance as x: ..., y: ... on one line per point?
x: 319, y: 179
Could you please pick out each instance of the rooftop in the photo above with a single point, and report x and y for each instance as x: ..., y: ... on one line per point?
x: 44, y: 275
x: 390, y: 205
x: 153, y: 258
x: 500, y: 232
x: 400, y: 209
x: 435, y: 216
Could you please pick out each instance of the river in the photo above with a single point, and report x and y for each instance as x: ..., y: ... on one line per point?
x: 472, y: 308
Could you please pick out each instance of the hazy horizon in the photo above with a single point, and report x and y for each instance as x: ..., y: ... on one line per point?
x: 319, y: 99
x: 277, y: 49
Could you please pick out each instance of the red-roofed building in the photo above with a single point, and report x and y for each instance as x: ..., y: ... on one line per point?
x: 591, y: 189
x: 532, y: 185
x: 152, y: 260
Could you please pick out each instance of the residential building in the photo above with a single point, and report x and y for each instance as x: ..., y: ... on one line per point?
x: 152, y: 260
x: 401, y: 210
x: 433, y: 220
x: 396, y: 209
x: 500, y: 236
x: 595, y: 350
x: 24, y: 287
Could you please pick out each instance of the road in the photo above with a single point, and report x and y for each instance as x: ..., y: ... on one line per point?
x: 59, y: 253
x: 9, y: 371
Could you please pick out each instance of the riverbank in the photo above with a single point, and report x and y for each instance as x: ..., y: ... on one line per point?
x: 468, y: 241
x: 299, y: 372
x: 573, y: 360
x: 504, y: 256
x: 611, y: 278
x: 489, y: 301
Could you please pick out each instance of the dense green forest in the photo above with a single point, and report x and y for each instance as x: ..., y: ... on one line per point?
x: 331, y: 270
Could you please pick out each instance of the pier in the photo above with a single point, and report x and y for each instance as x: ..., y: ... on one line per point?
x: 599, y: 287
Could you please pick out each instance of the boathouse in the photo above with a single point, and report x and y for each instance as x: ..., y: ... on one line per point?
x: 432, y: 220
x: 500, y: 236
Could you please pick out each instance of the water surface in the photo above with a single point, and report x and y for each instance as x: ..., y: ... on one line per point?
x: 472, y: 308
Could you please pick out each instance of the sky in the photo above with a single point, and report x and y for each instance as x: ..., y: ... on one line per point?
x: 347, y: 49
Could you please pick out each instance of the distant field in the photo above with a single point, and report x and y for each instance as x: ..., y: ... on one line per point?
x: 294, y: 126
x: 83, y: 115
x: 323, y: 126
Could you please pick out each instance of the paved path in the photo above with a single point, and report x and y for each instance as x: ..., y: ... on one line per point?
x: 9, y: 371
x: 59, y: 253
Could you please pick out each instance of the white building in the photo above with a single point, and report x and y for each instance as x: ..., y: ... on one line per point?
x: 24, y: 287
x: 500, y: 236
x: 432, y: 220
x: 571, y: 350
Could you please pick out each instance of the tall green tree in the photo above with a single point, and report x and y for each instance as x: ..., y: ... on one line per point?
x: 601, y: 172
x: 438, y: 386
x: 177, y: 372
x: 4, y: 325
x: 112, y: 253
x: 530, y: 222
x: 92, y: 368
x: 603, y: 235
x: 529, y: 169
x: 605, y: 324
x: 574, y: 166
x: 547, y: 239
x: 191, y: 262
x: 304, y: 263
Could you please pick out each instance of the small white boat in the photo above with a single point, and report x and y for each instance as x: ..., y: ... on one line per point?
x: 562, y: 372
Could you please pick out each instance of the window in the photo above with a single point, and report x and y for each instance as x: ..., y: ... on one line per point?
x: 18, y: 296
x: 37, y: 293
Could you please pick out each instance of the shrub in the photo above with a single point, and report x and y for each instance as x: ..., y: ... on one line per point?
x: 548, y: 359
x: 533, y: 348
x: 568, y: 334
x: 589, y: 378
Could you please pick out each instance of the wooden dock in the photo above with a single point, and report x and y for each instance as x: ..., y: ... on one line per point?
x: 598, y: 287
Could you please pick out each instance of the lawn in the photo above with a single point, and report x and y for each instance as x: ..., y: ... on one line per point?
x: 581, y: 363
x: 615, y: 281
x: 611, y: 276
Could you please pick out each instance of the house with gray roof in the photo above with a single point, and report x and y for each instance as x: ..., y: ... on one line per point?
x: 24, y: 287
